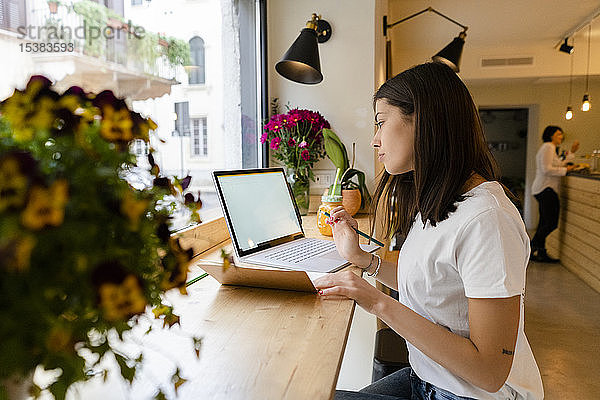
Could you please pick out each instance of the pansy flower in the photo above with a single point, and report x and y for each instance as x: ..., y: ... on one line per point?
x: 116, y: 124
x: 13, y: 184
x: 15, y: 254
x: 176, y: 264
x: 45, y: 206
x: 133, y: 209
x: 120, y: 301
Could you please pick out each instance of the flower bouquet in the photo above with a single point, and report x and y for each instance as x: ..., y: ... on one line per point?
x: 82, y: 253
x: 296, y: 139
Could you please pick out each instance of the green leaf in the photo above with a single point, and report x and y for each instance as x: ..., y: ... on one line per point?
x: 335, y: 149
x: 127, y: 372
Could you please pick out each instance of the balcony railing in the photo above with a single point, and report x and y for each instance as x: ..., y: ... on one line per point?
x: 98, y: 32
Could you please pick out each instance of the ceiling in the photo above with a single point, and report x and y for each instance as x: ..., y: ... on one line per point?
x: 493, y: 22
x: 498, y: 29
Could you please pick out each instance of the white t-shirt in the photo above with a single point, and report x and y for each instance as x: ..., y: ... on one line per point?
x: 480, y: 251
x: 549, y: 168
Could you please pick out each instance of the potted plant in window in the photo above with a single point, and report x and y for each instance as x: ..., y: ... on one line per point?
x: 81, y: 250
x: 355, y: 194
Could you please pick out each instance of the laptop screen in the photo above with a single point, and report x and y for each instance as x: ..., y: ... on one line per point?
x: 258, y: 207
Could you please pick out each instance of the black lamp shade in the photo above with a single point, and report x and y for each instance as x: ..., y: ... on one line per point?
x: 450, y: 55
x: 301, y: 62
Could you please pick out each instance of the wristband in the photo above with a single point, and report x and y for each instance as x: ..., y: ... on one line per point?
x: 370, y: 263
x: 374, y: 274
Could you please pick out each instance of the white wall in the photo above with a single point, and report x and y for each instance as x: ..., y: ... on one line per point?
x: 547, y: 104
x: 344, y: 96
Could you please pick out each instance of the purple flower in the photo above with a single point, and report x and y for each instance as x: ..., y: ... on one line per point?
x: 275, y: 143
x: 291, y: 142
x: 264, y: 137
x: 303, y: 144
x: 305, y: 155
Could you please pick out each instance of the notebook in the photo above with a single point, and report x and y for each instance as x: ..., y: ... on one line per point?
x: 265, y: 225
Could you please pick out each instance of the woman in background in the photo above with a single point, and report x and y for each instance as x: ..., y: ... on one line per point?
x: 545, y: 188
x: 461, y: 270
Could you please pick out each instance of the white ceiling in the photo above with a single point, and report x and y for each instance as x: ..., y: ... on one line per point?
x: 498, y: 22
x: 497, y: 29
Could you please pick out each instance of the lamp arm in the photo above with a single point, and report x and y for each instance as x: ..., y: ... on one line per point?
x: 386, y: 26
x: 449, y: 19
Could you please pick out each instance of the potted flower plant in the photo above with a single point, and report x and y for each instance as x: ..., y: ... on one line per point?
x: 80, y: 249
x: 355, y: 194
x: 296, y: 139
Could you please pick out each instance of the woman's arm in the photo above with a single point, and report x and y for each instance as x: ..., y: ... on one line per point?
x: 484, y: 359
x: 388, y: 271
x: 547, y: 166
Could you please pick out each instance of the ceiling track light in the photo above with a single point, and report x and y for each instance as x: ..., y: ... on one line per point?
x: 565, y: 48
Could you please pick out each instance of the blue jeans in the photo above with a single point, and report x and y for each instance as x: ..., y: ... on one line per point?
x: 400, y: 385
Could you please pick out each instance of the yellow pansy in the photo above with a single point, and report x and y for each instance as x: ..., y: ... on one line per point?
x: 46, y: 206
x: 13, y: 184
x: 121, y: 301
x: 133, y: 208
x: 116, y: 124
x: 15, y: 255
x: 59, y: 339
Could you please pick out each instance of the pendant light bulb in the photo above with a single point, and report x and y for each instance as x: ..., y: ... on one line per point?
x: 586, y: 105
x: 569, y: 113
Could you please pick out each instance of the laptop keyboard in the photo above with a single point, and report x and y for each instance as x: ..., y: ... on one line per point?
x: 302, y: 251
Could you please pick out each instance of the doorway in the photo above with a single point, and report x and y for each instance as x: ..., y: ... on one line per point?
x: 505, y: 131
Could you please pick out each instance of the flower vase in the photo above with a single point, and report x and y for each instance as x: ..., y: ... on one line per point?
x: 300, y: 190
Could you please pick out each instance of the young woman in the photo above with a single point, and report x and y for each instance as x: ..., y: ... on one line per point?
x: 545, y: 188
x: 461, y: 270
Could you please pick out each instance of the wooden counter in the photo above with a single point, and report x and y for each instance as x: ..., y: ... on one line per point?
x: 577, y: 239
x: 256, y: 343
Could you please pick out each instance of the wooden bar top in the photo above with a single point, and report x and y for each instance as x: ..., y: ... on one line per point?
x: 267, y: 344
x: 255, y: 343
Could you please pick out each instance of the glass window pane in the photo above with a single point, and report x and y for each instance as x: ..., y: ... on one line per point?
x: 157, y: 55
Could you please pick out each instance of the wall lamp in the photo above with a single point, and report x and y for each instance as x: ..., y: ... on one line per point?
x: 449, y: 55
x: 301, y: 62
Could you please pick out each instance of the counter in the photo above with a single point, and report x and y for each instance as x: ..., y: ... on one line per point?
x: 577, y: 240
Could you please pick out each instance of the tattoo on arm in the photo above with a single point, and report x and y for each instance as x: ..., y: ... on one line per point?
x: 508, y: 352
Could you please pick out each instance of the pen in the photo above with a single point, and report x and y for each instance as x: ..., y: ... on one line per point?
x: 196, y: 279
x: 377, y: 242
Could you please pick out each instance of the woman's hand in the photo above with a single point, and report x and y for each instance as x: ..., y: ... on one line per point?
x: 352, y: 286
x: 346, y: 238
x: 575, y: 146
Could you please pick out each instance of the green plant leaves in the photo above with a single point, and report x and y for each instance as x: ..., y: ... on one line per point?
x: 335, y: 149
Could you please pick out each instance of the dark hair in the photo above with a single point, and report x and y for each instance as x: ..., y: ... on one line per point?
x: 449, y: 145
x: 549, y: 132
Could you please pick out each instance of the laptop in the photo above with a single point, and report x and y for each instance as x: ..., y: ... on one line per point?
x: 265, y: 225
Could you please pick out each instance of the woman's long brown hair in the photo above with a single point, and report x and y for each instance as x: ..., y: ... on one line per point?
x: 449, y: 146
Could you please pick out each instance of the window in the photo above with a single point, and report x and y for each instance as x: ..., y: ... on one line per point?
x: 199, y: 137
x: 196, y: 74
x: 140, y: 148
x: 223, y: 35
x: 12, y: 14
x: 182, y: 121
